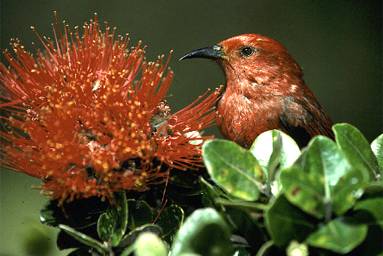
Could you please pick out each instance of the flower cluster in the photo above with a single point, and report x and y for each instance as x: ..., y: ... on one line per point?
x: 87, y: 115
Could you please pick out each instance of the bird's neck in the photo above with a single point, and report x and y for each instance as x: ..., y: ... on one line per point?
x: 267, y: 76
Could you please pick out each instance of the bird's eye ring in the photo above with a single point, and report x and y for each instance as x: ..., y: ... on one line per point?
x: 247, y: 51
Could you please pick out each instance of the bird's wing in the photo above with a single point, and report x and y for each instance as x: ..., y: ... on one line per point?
x: 303, y: 119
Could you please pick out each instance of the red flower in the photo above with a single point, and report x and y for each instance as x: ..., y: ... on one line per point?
x: 88, y: 116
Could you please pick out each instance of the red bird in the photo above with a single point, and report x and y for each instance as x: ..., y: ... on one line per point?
x: 264, y: 90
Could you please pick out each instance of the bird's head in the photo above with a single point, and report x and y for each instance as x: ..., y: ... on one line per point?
x: 252, y: 57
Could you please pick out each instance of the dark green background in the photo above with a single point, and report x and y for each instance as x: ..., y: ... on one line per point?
x: 338, y: 44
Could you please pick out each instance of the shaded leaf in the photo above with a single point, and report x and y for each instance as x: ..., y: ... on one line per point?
x: 240, y: 204
x: 121, y: 212
x: 80, y: 252
x: 105, y: 225
x: 233, y: 168
x: 372, y: 244
x: 246, y: 226
x: 85, y: 239
x: 338, y: 235
x: 357, y: 150
x: 265, y: 248
x: 372, y: 190
x: 65, y: 241
x: 377, y: 149
x: 205, y: 233
x: 131, y: 237
x: 112, y: 224
x: 322, y: 181
x: 285, y: 222
x: 370, y: 211
x: 78, y: 213
x: 241, y: 252
x: 170, y: 221
x: 210, y: 193
x: 48, y: 216
x: 140, y: 213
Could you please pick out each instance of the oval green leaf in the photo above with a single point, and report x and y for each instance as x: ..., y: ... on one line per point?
x: 338, y: 236
x: 129, y: 239
x: 170, y: 221
x: 370, y: 210
x: 85, y: 239
x: 105, y: 225
x: 210, y: 193
x: 203, y: 233
x: 285, y: 222
x: 233, y: 168
x: 322, y: 181
x: 357, y: 150
x: 377, y: 149
x: 112, y: 224
x: 140, y: 213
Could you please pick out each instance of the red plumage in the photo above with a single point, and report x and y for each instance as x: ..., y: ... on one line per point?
x: 264, y: 90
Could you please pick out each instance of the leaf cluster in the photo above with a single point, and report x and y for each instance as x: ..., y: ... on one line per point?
x: 272, y: 199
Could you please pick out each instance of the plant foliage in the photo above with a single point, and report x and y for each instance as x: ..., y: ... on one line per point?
x: 272, y: 199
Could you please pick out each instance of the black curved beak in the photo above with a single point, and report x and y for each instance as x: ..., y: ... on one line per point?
x: 212, y: 52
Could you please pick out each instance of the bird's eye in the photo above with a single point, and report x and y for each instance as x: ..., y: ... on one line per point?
x: 247, y: 51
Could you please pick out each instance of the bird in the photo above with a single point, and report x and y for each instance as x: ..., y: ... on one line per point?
x: 264, y: 90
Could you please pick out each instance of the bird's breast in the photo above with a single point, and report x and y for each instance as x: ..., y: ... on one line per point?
x: 242, y: 117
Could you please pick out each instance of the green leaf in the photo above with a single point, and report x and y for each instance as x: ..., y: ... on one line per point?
x: 322, y: 181
x: 131, y: 237
x: 233, y: 168
x: 80, y: 252
x: 48, y: 215
x: 140, y: 213
x: 121, y: 213
x: 111, y: 225
x: 78, y: 214
x: 338, y: 236
x: 241, y: 252
x: 203, y: 233
x: 170, y: 221
x: 105, y: 225
x: 240, y: 204
x: 377, y: 149
x: 85, y: 239
x: 275, y: 149
x: 210, y: 193
x: 265, y: 248
x: 372, y: 244
x: 149, y: 244
x: 373, y: 189
x: 285, y: 222
x: 357, y: 150
x: 245, y: 225
x: 370, y: 210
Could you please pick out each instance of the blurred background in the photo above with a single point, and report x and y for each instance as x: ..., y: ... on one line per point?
x: 337, y: 43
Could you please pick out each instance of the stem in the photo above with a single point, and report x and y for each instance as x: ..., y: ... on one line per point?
x: 328, y: 211
x: 264, y: 248
x: 250, y: 205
